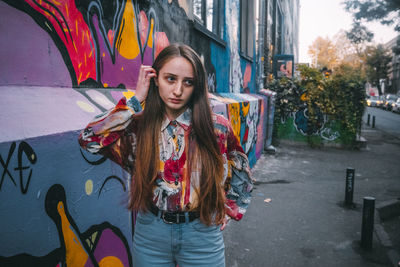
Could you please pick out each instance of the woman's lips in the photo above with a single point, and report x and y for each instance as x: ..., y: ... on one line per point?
x: 175, y: 100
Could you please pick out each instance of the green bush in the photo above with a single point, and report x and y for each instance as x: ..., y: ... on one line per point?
x: 337, y: 101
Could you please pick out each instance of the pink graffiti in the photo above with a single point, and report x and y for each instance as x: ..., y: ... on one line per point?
x: 108, y: 58
x: 247, y: 76
x: 69, y: 25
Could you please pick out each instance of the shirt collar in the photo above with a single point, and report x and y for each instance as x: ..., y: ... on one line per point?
x: 183, y: 120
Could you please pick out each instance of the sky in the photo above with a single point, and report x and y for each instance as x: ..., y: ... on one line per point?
x: 326, y: 18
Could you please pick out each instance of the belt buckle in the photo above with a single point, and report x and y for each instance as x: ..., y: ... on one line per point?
x: 164, y: 220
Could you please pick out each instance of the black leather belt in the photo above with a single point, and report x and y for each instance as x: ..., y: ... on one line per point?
x: 174, y: 217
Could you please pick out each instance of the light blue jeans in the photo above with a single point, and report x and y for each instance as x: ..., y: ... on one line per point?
x: 157, y: 243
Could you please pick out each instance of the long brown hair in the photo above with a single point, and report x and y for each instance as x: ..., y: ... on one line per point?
x: 203, y: 141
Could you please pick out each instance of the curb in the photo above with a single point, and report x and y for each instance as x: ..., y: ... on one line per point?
x: 394, y: 257
x: 388, y: 209
x: 359, y: 143
x: 384, y: 211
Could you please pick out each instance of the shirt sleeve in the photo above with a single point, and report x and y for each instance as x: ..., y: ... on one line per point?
x: 106, y: 134
x: 239, y: 183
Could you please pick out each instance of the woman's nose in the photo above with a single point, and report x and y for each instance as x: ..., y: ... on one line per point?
x: 178, y: 89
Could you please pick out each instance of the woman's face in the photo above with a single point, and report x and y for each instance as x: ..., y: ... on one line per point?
x: 175, y: 85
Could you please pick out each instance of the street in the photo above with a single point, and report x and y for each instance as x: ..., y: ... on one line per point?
x: 296, y: 217
x: 384, y: 120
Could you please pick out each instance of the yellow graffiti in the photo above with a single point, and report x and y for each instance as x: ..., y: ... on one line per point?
x: 110, y: 261
x: 128, y: 48
x: 56, y: 3
x: 90, y: 240
x: 128, y: 94
x: 89, y: 187
x: 80, y: 78
x: 66, y: 10
x: 85, y: 106
x: 75, y: 252
x: 234, y: 116
x: 150, y: 41
x: 245, y: 108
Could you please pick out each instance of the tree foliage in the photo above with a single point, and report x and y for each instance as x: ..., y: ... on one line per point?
x: 377, y: 64
x: 332, y: 53
x: 323, y: 53
x: 348, y: 52
x: 386, y: 12
x: 359, y: 33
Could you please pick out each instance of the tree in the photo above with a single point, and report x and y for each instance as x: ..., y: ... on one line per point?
x: 323, y: 53
x: 331, y: 53
x: 386, y: 12
x: 377, y: 64
x: 348, y: 52
x: 359, y: 34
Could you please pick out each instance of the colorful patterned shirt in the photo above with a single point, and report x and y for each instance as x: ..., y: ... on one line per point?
x: 113, y: 134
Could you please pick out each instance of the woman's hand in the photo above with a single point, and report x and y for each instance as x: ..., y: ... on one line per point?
x: 225, y: 222
x: 143, y: 82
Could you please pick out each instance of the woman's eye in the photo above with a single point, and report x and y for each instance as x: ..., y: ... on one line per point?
x: 170, y: 79
x: 189, y: 82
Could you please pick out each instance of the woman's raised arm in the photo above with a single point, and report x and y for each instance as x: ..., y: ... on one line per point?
x: 103, y: 132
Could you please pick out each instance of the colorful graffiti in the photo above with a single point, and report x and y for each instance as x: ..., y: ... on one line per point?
x: 108, y: 237
x: 102, y: 44
x: 245, y: 114
x: 24, y: 149
x: 69, y: 203
x: 296, y: 125
x: 235, y: 74
x: 252, y: 115
x: 247, y: 78
x: 100, y: 245
x: 301, y: 122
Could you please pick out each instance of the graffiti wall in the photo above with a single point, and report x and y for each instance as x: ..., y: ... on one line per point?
x: 247, y: 115
x: 63, y: 62
x: 296, y: 127
x: 63, y: 205
x: 101, y: 43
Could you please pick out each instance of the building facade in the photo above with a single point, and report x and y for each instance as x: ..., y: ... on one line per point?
x: 64, y: 61
x: 279, y: 27
x: 394, y: 74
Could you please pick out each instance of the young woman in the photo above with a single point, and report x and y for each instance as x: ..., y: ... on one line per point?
x: 189, y: 172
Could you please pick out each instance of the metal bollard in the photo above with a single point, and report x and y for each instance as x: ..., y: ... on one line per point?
x: 348, y: 201
x: 367, y: 227
x: 373, y: 121
x: 368, y: 119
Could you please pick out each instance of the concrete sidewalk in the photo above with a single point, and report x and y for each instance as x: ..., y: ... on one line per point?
x: 305, y: 223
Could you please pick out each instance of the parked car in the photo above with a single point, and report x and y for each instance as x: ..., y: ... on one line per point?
x: 372, y: 101
x: 396, y: 106
x: 389, y: 100
x: 380, y: 103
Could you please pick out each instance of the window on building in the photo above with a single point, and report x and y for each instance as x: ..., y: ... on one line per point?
x: 209, y: 14
x: 247, y: 26
x: 279, y: 31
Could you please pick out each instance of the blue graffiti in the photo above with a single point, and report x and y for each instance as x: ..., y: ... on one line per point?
x: 303, y: 125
